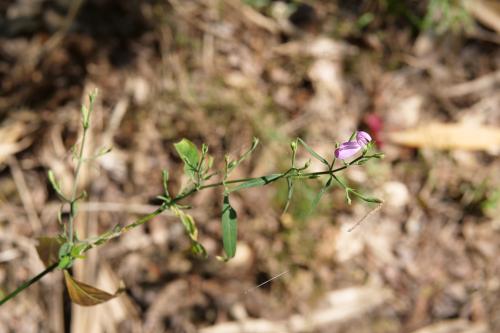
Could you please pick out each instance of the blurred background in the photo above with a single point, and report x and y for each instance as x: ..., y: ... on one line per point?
x: 422, y: 77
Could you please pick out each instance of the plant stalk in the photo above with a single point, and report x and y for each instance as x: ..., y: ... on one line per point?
x: 165, y: 207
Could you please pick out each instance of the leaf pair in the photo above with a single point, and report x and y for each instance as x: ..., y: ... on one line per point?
x: 195, y: 166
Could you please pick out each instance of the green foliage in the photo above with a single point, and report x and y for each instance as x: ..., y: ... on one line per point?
x: 313, y: 153
x: 189, y: 154
x: 56, y: 186
x: 446, y: 15
x: 257, y: 3
x: 191, y: 230
x: 229, y: 228
x: 491, y: 204
x: 62, y: 251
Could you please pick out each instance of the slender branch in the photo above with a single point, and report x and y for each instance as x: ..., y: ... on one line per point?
x: 28, y: 283
x: 72, y: 203
x: 165, y: 206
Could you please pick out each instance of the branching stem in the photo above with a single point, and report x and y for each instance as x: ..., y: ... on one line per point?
x: 165, y: 206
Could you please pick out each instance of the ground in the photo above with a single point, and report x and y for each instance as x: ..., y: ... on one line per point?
x: 221, y: 72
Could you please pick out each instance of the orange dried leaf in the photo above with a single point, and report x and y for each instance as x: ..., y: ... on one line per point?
x: 48, y: 250
x: 86, y: 295
x: 449, y: 136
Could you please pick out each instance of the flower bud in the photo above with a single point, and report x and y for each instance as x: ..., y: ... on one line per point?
x: 363, y: 138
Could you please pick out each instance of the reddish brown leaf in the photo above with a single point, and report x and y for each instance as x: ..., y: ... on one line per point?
x: 86, y: 295
x: 48, y: 250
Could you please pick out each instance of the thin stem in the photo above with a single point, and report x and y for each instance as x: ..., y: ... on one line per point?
x: 165, y: 206
x: 72, y: 203
x: 28, y: 283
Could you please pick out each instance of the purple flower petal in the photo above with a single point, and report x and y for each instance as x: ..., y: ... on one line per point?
x: 347, y: 149
x: 363, y: 138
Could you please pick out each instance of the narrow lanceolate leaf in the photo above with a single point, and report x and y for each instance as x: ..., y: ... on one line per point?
x: 256, y: 182
x: 189, y: 154
x: 48, y: 250
x: 55, y: 185
x: 229, y: 228
x: 365, y: 197
x: 86, y: 295
x: 313, y: 153
x: 191, y: 229
x: 318, y: 196
x: 189, y: 224
x: 289, y: 183
x: 255, y: 143
x: 165, y: 177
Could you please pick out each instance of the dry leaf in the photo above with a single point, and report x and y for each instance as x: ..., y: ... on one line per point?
x: 449, y: 136
x: 86, y: 295
x: 48, y: 250
x: 485, y: 11
x: 12, y: 139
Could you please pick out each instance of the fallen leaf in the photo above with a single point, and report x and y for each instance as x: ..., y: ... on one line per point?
x: 449, y: 136
x: 485, y: 11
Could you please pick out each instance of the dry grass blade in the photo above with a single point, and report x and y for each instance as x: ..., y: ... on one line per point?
x: 11, y: 140
x: 486, y: 12
x: 449, y: 136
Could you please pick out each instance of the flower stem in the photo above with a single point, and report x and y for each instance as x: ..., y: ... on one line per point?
x: 72, y: 203
x: 164, y: 206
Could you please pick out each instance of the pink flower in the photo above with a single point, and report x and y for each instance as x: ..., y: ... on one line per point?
x: 350, y: 148
x: 347, y: 149
x: 363, y: 138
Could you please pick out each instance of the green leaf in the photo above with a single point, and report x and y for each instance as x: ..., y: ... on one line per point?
x: 65, y: 262
x: 64, y: 250
x: 289, y: 183
x: 86, y: 295
x: 231, y: 165
x: 365, y: 197
x: 165, y: 176
x: 198, y: 249
x: 347, y: 196
x: 85, y: 116
x: 56, y: 186
x: 190, y: 155
x: 48, y: 250
x: 104, y: 237
x: 229, y: 228
x: 102, y: 151
x: 190, y: 226
x: 188, y: 222
x: 87, y: 111
x: 317, y: 198
x: 313, y: 153
x: 78, y: 249
x: 256, y: 182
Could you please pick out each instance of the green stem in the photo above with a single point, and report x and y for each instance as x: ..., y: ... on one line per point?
x: 165, y: 207
x: 72, y: 211
x: 28, y: 283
